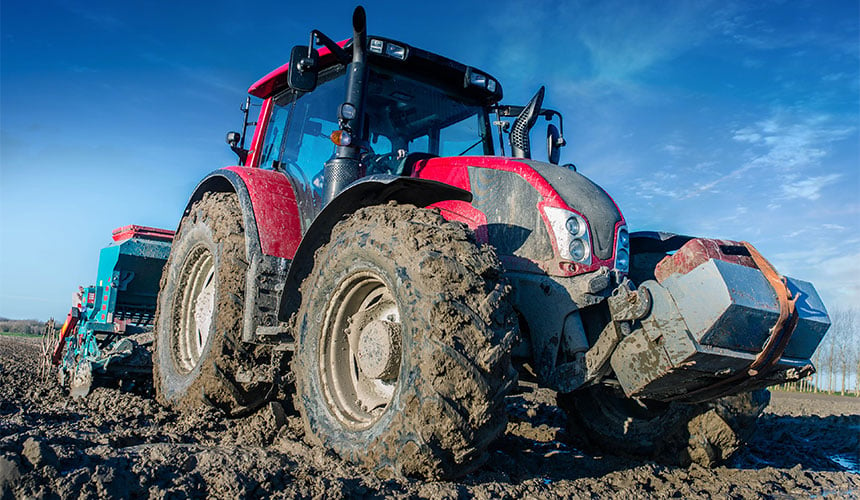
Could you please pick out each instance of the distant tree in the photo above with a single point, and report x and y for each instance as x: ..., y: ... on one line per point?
x: 28, y: 326
x: 840, y: 348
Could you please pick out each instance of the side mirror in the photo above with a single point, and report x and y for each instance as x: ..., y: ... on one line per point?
x: 303, y: 71
x: 233, y: 139
x: 554, y: 143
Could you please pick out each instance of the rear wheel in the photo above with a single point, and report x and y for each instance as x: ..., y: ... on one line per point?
x: 602, y: 418
x: 402, y: 362
x: 198, y: 346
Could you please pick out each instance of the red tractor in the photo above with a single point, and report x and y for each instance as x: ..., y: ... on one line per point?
x: 358, y: 256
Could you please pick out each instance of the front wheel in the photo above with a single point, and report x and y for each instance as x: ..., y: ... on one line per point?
x: 402, y: 362
x: 198, y: 327
x: 602, y: 418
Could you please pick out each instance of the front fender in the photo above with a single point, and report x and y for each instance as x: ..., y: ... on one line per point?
x: 272, y: 233
x: 368, y: 191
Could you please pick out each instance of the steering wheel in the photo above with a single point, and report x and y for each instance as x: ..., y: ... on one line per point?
x: 386, y: 163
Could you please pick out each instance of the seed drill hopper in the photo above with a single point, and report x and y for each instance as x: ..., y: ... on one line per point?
x: 107, y: 330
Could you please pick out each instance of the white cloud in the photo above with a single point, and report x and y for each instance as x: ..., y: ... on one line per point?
x: 673, y: 149
x: 659, y: 184
x: 831, y: 269
x: 809, y: 188
x: 777, y: 149
x: 746, y: 135
x: 634, y: 36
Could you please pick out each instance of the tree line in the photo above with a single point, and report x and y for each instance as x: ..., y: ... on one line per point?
x: 837, y: 359
x: 28, y: 326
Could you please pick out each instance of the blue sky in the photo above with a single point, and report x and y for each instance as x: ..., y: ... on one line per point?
x: 725, y: 119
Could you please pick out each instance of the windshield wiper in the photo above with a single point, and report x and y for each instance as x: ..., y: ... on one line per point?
x: 471, y: 147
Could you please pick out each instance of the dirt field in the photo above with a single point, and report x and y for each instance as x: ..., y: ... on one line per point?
x: 118, y: 444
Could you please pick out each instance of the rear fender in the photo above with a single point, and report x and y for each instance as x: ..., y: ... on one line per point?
x: 368, y: 191
x: 272, y: 234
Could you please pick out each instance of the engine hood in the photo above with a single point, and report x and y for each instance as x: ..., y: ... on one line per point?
x: 508, y: 193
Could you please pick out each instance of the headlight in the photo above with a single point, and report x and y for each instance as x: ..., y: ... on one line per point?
x: 475, y: 78
x: 577, y: 249
x: 622, y: 250
x: 395, y: 51
x: 389, y: 49
x: 478, y: 79
x: 571, y: 234
x: 622, y: 260
x: 574, y: 227
x: 623, y: 238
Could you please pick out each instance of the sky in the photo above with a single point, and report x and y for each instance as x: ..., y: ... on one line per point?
x: 737, y: 120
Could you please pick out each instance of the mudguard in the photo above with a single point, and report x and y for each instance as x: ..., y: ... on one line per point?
x: 272, y: 234
x: 367, y: 191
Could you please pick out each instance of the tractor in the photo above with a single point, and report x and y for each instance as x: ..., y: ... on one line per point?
x: 380, y: 256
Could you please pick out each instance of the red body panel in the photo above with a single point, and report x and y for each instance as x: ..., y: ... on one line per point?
x: 699, y: 251
x: 275, y: 210
x: 127, y: 232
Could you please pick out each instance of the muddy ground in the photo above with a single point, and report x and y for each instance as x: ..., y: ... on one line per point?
x: 120, y: 444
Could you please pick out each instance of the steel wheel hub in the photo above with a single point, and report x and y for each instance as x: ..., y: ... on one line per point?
x: 378, y: 353
x: 360, y: 350
x: 197, y: 307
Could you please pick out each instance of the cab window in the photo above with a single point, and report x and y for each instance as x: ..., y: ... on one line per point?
x: 297, y: 140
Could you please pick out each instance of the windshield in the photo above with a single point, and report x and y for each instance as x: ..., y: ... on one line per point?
x: 406, y: 115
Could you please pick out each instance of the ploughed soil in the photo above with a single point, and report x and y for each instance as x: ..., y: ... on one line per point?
x: 123, y: 444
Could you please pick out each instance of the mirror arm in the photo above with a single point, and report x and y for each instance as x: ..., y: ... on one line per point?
x: 549, y: 113
x: 318, y: 37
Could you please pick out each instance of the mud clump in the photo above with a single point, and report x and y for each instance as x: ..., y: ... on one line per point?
x: 115, y: 444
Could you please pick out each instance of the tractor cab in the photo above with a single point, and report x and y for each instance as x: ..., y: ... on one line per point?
x: 403, y: 104
x: 415, y: 105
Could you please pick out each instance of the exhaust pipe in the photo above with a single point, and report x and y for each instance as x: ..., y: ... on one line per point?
x: 344, y: 167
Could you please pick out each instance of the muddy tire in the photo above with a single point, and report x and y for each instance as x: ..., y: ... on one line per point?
x: 601, y: 418
x: 198, y: 347
x: 403, y: 356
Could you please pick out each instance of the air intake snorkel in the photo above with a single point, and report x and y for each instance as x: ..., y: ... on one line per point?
x: 520, y: 147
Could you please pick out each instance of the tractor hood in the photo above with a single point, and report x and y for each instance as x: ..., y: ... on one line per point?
x: 509, y: 200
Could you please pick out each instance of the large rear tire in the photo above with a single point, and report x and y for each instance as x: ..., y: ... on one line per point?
x: 602, y: 418
x: 198, y: 346
x: 403, y: 357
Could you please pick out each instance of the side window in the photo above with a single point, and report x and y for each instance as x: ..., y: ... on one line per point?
x: 297, y: 140
x: 460, y: 138
x: 314, y: 145
x: 275, y: 135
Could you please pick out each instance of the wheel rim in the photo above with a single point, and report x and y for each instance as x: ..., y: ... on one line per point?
x: 360, y: 352
x: 196, y: 308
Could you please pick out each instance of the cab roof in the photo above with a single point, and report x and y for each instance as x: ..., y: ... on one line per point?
x: 420, y: 62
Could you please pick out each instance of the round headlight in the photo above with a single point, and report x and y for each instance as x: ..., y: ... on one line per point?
x: 347, y: 111
x: 577, y: 249
x: 573, y: 225
x: 622, y: 260
x: 623, y: 239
